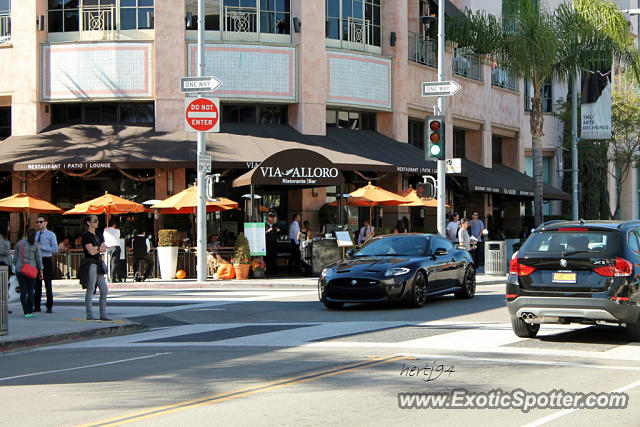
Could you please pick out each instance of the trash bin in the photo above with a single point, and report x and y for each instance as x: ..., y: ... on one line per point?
x: 4, y: 300
x: 495, y: 257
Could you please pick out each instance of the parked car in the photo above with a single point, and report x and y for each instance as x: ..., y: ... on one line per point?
x: 398, y: 267
x: 576, y: 272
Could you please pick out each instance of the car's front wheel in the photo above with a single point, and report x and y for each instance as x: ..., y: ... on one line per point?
x: 524, y: 329
x: 468, y: 284
x: 419, y: 290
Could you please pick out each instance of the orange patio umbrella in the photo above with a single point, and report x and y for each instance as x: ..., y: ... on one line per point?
x: 186, y: 202
x: 26, y: 203
x: 108, y: 204
x: 371, y: 195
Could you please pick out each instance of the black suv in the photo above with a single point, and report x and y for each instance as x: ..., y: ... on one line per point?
x: 576, y: 272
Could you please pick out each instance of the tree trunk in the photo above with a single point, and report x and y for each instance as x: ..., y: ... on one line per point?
x: 536, y: 122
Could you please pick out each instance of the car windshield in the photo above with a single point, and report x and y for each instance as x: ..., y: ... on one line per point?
x: 400, y: 245
x: 565, y: 243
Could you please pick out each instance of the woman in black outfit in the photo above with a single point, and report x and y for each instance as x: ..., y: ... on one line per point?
x: 92, y: 268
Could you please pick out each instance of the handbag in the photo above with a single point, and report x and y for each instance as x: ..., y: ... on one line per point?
x: 27, y: 270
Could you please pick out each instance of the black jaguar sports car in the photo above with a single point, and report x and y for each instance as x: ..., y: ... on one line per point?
x: 399, y: 267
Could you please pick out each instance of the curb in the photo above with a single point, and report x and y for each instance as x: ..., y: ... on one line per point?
x: 67, y: 337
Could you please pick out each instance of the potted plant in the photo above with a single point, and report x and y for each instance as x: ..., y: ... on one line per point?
x: 167, y: 253
x: 241, y: 257
x: 258, y: 268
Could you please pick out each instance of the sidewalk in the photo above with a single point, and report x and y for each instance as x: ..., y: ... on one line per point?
x: 68, y: 324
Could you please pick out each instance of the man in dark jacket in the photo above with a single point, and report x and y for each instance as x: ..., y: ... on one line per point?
x: 272, y: 233
x: 140, y: 245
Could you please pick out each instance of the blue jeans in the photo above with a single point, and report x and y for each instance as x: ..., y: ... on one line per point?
x: 27, y: 288
x: 96, y: 279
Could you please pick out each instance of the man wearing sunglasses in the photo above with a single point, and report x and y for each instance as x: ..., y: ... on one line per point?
x: 48, y: 246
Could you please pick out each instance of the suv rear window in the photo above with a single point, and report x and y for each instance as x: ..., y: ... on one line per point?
x: 606, y: 243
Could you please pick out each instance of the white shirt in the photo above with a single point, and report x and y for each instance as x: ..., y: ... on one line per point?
x: 452, y: 230
x: 111, y: 237
x: 364, y: 232
x: 463, y: 237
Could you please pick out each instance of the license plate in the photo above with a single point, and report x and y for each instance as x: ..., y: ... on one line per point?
x: 564, y: 277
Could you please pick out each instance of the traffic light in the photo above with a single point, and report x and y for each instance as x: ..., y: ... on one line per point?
x: 435, y: 138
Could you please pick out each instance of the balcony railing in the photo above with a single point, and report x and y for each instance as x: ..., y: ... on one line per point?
x: 467, y: 64
x: 98, y: 18
x: 503, y: 77
x: 240, y: 19
x: 358, y: 30
x: 423, y: 49
x: 5, y: 27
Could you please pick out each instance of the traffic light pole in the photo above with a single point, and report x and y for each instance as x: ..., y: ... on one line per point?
x: 441, y: 194
x: 201, y: 217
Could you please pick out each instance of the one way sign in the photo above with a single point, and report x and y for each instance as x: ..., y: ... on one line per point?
x: 199, y: 84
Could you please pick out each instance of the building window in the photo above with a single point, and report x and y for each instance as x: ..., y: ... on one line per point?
x: 416, y: 133
x: 546, y: 177
x: 547, y: 98
x: 211, y: 14
x: 353, y: 120
x: 90, y: 15
x: 459, y: 143
x: 5, y: 122
x: 354, y: 21
x: 139, y: 113
x: 242, y: 16
x: 5, y: 20
x: 263, y: 114
x: 496, y: 150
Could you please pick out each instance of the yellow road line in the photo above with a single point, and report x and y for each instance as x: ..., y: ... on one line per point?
x: 258, y: 388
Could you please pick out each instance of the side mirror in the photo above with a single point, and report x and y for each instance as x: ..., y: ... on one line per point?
x: 440, y: 252
x: 350, y: 252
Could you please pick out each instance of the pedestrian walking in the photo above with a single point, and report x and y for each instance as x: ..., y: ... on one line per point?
x: 294, y: 238
x: 463, y: 235
x: 27, y: 260
x: 272, y: 233
x: 111, y: 235
x: 141, y: 247
x: 452, y: 228
x: 92, y: 268
x: 5, y: 248
x: 48, y: 246
x: 476, y: 226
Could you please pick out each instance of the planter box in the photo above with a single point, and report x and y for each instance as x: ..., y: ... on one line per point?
x: 168, y: 261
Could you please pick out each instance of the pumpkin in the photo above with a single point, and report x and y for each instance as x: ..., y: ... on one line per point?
x: 226, y: 271
x: 181, y: 274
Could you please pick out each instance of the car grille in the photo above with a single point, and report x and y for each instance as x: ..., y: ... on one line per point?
x: 349, y: 283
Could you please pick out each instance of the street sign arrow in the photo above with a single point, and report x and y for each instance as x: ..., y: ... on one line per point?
x: 199, y: 84
x: 440, y: 88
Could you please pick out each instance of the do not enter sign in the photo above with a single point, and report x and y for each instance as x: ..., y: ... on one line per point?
x: 202, y: 115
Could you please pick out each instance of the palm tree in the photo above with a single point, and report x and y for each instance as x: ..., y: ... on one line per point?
x: 538, y: 45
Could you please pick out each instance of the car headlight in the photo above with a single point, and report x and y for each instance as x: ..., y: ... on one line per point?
x: 324, y: 272
x: 396, y: 271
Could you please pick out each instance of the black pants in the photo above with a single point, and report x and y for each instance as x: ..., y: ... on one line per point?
x: 294, y: 260
x: 113, y: 252
x: 47, y: 272
x: 147, y: 259
x: 271, y: 258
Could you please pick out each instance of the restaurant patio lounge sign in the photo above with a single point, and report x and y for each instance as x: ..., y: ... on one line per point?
x: 294, y: 167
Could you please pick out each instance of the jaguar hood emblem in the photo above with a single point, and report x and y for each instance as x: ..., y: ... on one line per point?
x: 563, y: 262
x: 354, y: 282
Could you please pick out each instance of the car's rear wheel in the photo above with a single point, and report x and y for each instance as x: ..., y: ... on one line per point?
x: 333, y: 305
x: 633, y: 330
x: 419, y: 290
x: 524, y: 329
x: 468, y: 284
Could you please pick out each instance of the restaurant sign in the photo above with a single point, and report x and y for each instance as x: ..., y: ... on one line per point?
x: 297, y: 167
x: 61, y: 166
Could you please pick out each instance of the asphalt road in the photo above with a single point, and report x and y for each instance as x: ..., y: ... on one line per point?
x: 279, y: 357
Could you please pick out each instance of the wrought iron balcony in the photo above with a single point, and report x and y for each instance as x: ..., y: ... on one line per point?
x: 358, y: 30
x: 5, y: 27
x: 503, y: 77
x: 423, y: 50
x: 467, y: 64
x: 240, y: 19
x: 98, y: 18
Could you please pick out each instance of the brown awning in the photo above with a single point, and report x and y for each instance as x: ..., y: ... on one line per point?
x: 97, y: 147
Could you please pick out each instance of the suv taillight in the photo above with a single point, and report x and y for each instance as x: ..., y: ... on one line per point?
x: 519, y: 269
x: 622, y: 267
